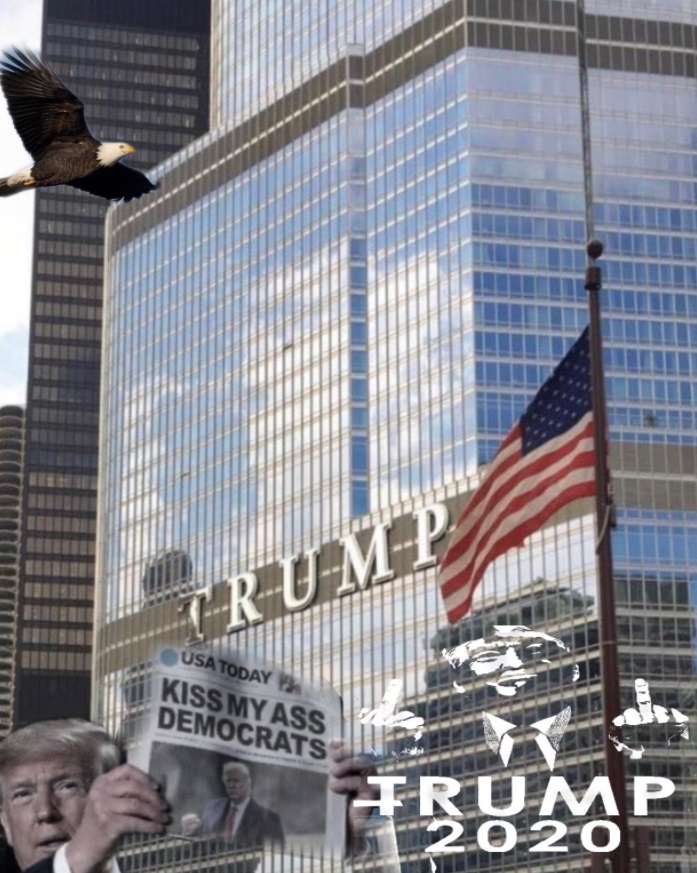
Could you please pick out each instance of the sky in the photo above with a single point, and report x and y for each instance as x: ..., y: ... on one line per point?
x: 20, y: 25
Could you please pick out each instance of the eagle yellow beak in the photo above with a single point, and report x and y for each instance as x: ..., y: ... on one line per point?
x: 129, y: 150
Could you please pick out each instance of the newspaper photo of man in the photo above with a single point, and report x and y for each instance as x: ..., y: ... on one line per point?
x: 236, y: 818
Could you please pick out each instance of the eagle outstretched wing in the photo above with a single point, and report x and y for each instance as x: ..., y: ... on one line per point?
x: 42, y: 108
x: 118, y: 182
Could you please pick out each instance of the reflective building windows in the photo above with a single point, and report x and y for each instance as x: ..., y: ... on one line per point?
x: 336, y: 309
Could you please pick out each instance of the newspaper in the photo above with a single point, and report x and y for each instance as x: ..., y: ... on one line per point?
x: 242, y: 751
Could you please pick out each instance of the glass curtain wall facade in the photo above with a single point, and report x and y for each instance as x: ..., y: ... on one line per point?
x: 331, y: 315
x: 141, y: 70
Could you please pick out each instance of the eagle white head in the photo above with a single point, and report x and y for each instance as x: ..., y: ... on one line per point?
x: 109, y: 153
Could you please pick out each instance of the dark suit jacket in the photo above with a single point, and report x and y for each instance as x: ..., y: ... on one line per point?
x: 7, y: 860
x: 45, y: 866
x: 258, y: 825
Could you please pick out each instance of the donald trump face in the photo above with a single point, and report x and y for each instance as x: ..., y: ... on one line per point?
x: 42, y: 806
x: 509, y: 657
x: 237, y: 781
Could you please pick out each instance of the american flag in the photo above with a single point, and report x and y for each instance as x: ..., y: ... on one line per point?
x: 545, y: 462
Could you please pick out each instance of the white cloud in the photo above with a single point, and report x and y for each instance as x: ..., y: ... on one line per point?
x: 20, y: 25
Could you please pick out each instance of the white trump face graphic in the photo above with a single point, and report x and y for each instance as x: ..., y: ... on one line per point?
x: 508, y: 657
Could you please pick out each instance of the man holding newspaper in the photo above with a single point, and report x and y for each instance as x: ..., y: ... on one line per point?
x: 65, y: 803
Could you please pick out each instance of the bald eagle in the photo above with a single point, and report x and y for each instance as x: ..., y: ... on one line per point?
x: 50, y: 121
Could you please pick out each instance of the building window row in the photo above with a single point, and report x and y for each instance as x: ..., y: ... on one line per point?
x: 84, y: 396
x: 68, y: 310
x: 57, y: 352
x: 63, y: 438
x: 37, y: 545
x: 60, y: 591
x: 78, y: 34
x: 61, y: 524
x: 72, y: 481
x: 66, y: 636
x: 58, y: 661
x: 68, y: 332
x: 51, y: 612
x: 91, y: 73
x: 61, y: 503
x: 80, y: 289
x: 106, y: 54
x: 66, y: 570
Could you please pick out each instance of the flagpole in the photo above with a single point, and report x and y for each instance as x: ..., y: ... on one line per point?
x: 609, y: 663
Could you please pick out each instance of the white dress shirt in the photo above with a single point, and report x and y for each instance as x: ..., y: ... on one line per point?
x: 60, y: 863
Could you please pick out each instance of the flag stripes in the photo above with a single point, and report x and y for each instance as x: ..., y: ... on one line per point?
x: 522, y: 490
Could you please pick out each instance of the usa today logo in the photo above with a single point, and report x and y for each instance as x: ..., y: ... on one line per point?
x: 169, y: 657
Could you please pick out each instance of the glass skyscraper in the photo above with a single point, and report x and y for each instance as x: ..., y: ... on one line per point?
x: 324, y: 322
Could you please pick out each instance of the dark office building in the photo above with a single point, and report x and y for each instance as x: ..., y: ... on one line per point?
x: 11, y: 450
x: 142, y: 70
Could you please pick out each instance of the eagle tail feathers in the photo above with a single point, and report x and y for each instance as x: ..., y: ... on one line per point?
x: 6, y: 189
